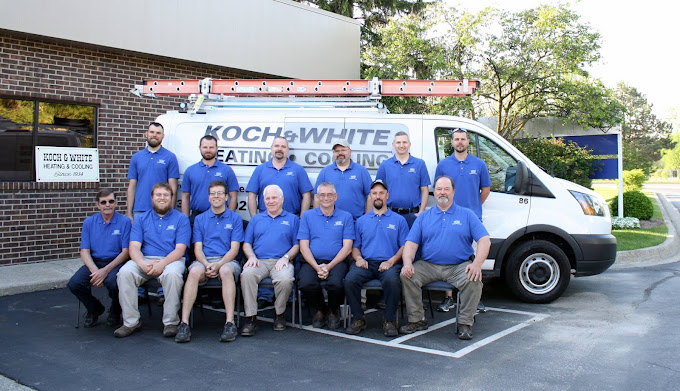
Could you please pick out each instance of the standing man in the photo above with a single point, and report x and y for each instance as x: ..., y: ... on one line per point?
x: 270, y: 247
x: 379, y: 242
x: 326, y: 234
x: 352, y: 181
x: 473, y: 184
x: 444, y: 234
x: 288, y: 175
x: 218, y: 233
x: 199, y: 176
x: 149, y: 166
x: 158, y: 241
x: 408, y: 178
x: 103, y: 249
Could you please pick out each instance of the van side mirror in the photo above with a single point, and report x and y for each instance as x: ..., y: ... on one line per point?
x: 517, y: 179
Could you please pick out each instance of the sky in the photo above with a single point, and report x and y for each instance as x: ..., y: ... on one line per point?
x: 640, y: 44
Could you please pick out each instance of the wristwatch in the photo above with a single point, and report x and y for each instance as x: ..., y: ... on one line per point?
x: 286, y: 256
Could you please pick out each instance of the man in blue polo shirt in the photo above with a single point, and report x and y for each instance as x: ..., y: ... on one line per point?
x: 270, y: 247
x: 288, y: 175
x: 407, y: 178
x: 444, y: 234
x: 352, y: 181
x: 158, y: 241
x: 103, y: 249
x: 380, y: 237
x: 198, y: 176
x: 149, y: 166
x: 326, y: 234
x: 218, y: 233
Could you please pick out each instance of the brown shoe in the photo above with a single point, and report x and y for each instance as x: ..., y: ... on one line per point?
x: 390, y: 329
x: 318, y: 321
x: 413, y: 327
x: 333, y: 321
x: 280, y: 322
x: 124, y: 331
x: 169, y: 330
x: 464, y: 332
x: 250, y: 327
x: 356, y: 326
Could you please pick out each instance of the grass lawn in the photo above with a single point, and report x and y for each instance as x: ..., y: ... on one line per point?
x: 632, y: 239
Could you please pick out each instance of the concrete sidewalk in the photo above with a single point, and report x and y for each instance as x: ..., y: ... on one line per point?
x: 33, y: 277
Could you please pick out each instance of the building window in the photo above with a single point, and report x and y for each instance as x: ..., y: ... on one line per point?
x: 26, y: 123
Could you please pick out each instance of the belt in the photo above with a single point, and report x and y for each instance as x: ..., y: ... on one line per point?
x: 405, y: 211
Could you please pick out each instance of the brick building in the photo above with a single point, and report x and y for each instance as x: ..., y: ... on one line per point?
x: 48, y: 70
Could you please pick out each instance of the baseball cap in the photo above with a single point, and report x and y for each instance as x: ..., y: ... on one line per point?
x: 342, y: 142
x: 378, y: 182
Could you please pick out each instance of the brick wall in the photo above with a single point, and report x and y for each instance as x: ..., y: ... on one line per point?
x: 42, y: 221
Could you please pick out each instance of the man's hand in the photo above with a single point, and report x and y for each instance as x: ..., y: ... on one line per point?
x: 252, y: 262
x: 384, y: 266
x: 97, y: 278
x: 322, y: 271
x: 156, y: 269
x: 408, y: 271
x: 362, y: 263
x: 281, y: 263
x: 474, y: 272
x: 212, y: 270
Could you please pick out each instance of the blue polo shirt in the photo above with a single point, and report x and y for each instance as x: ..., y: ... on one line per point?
x: 404, y: 181
x: 379, y: 237
x: 272, y: 237
x: 217, y: 233
x: 159, y: 235
x: 291, y: 178
x: 352, y: 186
x: 149, y: 168
x: 469, y: 176
x: 105, y: 240
x: 198, y: 177
x: 445, y: 238
x: 326, y: 233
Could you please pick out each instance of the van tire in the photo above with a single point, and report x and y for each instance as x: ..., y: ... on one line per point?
x: 538, y: 271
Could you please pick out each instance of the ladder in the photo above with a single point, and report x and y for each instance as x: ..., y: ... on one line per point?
x: 223, y: 89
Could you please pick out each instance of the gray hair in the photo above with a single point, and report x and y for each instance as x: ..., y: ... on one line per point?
x: 327, y: 184
x: 274, y: 188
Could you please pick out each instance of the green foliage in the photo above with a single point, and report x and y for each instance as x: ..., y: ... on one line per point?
x: 635, y: 204
x: 671, y: 157
x: 561, y: 159
x: 633, y: 179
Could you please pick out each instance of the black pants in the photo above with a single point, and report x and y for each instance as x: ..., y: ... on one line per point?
x: 311, y: 286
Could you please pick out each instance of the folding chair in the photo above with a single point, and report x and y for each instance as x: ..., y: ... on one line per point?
x: 376, y: 285
x: 268, y: 283
x: 146, y: 296
x: 442, y: 286
x: 216, y: 284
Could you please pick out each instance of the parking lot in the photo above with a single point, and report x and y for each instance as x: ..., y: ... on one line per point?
x: 612, y: 331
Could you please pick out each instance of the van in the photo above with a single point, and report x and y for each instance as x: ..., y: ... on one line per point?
x: 543, y: 229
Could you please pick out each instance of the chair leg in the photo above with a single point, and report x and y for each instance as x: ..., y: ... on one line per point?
x: 429, y: 299
x: 78, y: 315
x: 299, y: 293
x: 457, y: 308
x: 148, y: 299
x: 238, y: 307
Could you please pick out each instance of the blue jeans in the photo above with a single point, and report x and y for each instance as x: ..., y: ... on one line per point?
x: 311, y: 285
x: 389, y: 279
x: 80, y: 286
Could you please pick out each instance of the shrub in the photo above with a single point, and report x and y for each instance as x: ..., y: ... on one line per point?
x: 632, y: 179
x: 561, y: 159
x: 635, y: 204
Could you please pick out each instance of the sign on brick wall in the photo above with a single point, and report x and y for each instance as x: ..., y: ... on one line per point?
x: 66, y: 164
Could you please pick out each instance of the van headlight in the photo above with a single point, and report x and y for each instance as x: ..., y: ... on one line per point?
x: 593, y: 206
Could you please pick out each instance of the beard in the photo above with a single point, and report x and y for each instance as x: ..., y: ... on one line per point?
x: 161, y: 210
x: 153, y: 143
x: 378, y: 204
x: 209, y: 155
x: 341, y: 161
x: 443, y: 200
x: 460, y: 149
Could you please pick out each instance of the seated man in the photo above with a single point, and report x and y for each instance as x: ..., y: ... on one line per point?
x: 158, y: 241
x: 218, y: 233
x: 379, y: 242
x: 103, y: 249
x: 445, y: 234
x: 326, y: 235
x: 270, y: 246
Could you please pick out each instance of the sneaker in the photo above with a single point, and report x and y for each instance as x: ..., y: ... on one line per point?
x: 280, y: 322
x: 183, y: 333
x: 318, y: 320
x: 356, y: 326
x: 481, y: 308
x: 113, y: 319
x: 464, y: 332
x: 229, y: 332
x: 249, y: 328
x: 390, y: 329
x: 124, y: 331
x: 91, y: 317
x: 412, y: 327
x: 333, y: 321
x: 169, y: 330
x: 447, y: 304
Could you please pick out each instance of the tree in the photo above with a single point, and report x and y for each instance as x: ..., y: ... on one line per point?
x: 644, y: 135
x: 671, y: 157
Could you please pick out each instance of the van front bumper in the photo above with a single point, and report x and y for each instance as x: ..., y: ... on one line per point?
x: 598, y: 253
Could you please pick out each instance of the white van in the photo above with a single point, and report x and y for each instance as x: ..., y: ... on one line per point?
x: 542, y: 229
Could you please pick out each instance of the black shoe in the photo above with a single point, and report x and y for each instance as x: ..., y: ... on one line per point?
x: 280, y: 322
x: 229, y: 332
x: 481, y: 308
x: 413, y: 327
x: 113, y: 319
x: 262, y: 303
x: 249, y: 328
x: 318, y: 321
x: 91, y: 317
x: 183, y: 333
x: 333, y: 321
x: 447, y: 304
x: 464, y: 332
x: 390, y: 329
x: 356, y: 326
x: 380, y: 305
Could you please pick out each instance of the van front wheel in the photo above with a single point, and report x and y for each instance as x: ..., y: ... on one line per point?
x: 538, y: 272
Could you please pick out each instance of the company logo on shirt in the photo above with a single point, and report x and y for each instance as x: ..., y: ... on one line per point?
x: 338, y: 223
x: 456, y: 222
x: 219, y: 174
x: 228, y: 226
x: 352, y: 178
x: 473, y: 172
x: 290, y: 173
x: 116, y: 232
x: 170, y: 228
x: 285, y: 222
x: 392, y: 227
x: 161, y: 161
x: 413, y: 170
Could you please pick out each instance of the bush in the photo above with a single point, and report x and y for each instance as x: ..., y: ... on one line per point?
x: 561, y: 159
x: 635, y: 204
x: 632, y: 180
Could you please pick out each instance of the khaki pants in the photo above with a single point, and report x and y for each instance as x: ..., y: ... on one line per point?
x: 425, y: 273
x: 282, y: 280
x: 131, y: 276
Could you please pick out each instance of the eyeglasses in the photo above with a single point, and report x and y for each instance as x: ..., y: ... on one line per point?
x: 104, y: 202
x: 217, y: 193
x: 324, y: 195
